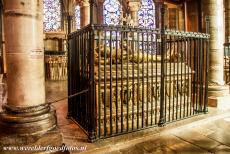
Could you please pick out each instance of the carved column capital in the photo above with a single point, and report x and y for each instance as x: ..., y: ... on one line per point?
x: 134, y: 6
x: 69, y: 7
x: 84, y: 3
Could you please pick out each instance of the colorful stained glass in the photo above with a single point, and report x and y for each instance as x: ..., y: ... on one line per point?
x: 77, y: 17
x: 146, y: 14
x: 52, y: 15
x: 112, y: 12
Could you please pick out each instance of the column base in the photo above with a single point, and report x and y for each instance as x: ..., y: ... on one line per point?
x: 219, y: 97
x: 218, y: 91
x: 31, y: 128
x: 219, y: 102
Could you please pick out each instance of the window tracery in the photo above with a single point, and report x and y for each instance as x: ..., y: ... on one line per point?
x: 146, y: 18
x: 77, y: 17
x: 52, y: 15
x: 112, y: 12
x: 146, y: 14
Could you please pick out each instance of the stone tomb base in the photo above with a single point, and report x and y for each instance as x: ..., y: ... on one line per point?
x: 143, y: 95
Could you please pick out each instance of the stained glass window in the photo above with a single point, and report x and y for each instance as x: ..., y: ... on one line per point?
x: 112, y: 12
x: 146, y: 14
x: 77, y: 17
x: 52, y: 15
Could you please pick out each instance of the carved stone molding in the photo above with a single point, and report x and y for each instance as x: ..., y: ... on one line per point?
x: 69, y: 6
x: 55, y: 35
x: 27, y: 120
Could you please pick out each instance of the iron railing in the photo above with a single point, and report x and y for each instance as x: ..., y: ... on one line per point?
x: 226, y: 63
x: 136, y: 78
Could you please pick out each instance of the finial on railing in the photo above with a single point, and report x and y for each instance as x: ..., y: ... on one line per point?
x: 207, y: 21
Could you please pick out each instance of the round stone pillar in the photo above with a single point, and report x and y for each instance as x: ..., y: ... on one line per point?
x: 134, y: 6
x: 100, y: 9
x: 158, y: 5
x: 214, y: 9
x: 227, y: 20
x: 68, y: 14
x: 84, y: 12
x: 25, y: 114
x: 24, y: 53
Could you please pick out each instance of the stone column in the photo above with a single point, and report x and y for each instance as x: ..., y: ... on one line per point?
x: 181, y: 18
x: 134, y: 6
x: 68, y: 14
x: 100, y: 11
x: 1, y: 40
x: 26, y: 116
x: 217, y: 88
x: 158, y: 5
x: 185, y: 17
x: 84, y: 12
x: 227, y: 21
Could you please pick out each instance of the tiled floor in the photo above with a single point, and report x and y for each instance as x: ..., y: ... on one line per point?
x: 209, y: 134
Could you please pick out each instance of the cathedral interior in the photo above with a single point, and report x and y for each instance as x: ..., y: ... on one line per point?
x: 114, y: 76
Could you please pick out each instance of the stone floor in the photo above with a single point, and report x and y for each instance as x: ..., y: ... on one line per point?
x: 201, y: 134
x: 56, y: 93
x: 213, y: 137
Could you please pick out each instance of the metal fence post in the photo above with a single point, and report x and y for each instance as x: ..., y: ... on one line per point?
x: 207, y: 20
x: 92, y: 101
x: 69, y: 114
x: 162, y: 88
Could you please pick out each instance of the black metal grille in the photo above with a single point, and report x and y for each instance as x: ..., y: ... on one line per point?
x: 135, y: 78
x: 226, y: 63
